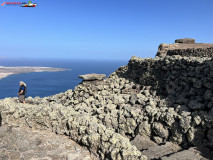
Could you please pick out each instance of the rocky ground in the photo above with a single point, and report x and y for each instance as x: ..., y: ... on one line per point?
x: 26, y: 144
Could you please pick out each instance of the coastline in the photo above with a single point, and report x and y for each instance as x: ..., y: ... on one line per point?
x: 7, y: 71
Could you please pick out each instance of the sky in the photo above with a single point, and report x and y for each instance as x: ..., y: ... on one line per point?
x: 100, y: 29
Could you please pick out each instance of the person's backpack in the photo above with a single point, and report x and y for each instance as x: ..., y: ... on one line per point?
x: 25, y: 90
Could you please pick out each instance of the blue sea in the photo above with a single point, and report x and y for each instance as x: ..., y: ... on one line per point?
x: 48, y: 83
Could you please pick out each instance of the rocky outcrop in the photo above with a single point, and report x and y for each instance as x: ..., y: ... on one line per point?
x: 189, y: 154
x: 154, y: 101
x: 185, y: 47
x: 92, y: 77
x: 23, y: 143
x: 78, y: 125
x: 185, y: 41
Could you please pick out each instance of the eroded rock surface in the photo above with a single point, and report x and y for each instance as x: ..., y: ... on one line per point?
x: 143, y: 142
x: 190, y: 154
x: 156, y: 152
x: 24, y: 144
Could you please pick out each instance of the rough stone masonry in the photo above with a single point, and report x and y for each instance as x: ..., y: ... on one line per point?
x: 185, y: 47
x: 165, y: 103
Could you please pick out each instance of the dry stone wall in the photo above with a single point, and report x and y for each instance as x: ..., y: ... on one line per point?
x: 195, y: 52
x: 79, y: 126
x: 164, y: 99
x: 185, y: 47
x: 181, y: 110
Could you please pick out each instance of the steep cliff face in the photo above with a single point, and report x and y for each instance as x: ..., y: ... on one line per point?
x: 163, y: 99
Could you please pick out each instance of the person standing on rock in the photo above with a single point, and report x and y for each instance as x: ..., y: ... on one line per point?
x: 22, y: 91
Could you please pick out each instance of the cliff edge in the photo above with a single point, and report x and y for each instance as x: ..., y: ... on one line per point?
x: 159, y: 108
x: 185, y: 47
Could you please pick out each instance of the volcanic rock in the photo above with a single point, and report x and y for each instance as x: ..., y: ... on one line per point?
x: 185, y: 40
x: 92, y: 77
x: 185, y: 47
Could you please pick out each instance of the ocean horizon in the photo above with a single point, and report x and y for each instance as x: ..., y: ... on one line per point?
x: 44, y: 84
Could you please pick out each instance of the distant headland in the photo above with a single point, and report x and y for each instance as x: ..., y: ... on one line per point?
x: 6, y: 71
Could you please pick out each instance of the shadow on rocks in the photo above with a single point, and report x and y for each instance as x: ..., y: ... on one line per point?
x: 0, y: 119
x: 186, y: 84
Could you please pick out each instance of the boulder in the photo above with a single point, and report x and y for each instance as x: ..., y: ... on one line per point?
x: 143, y: 142
x: 92, y: 77
x: 160, y: 130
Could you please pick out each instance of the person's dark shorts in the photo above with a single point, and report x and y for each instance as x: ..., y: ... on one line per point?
x: 21, y: 98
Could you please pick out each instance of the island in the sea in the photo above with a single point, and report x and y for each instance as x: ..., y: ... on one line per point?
x: 6, y: 71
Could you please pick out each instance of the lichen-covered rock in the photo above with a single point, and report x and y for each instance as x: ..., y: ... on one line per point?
x: 80, y: 126
x: 165, y: 99
x: 185, y: 123
x: 196, y: 136
x: 160, y: 130
x: 177, y: 134
x: 144, y: 129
